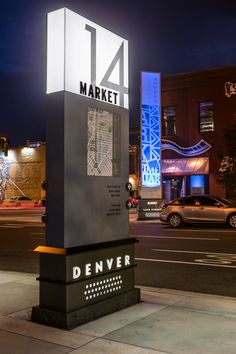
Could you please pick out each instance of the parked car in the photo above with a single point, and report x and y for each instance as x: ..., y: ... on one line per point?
x: 17, y: 201
x: 199, y: 209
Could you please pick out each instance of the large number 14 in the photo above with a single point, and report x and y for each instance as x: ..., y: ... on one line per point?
x: 118, y: 57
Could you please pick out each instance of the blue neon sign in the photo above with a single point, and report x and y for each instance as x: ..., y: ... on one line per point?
x: 151, y: 133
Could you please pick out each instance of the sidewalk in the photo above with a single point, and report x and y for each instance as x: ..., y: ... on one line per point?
x: 165, y: 322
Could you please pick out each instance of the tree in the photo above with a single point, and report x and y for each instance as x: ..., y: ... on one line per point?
x: 227, y: 170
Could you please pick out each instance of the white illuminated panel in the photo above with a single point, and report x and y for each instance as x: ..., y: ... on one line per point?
x: 85, y: 58
x: 55, y: 51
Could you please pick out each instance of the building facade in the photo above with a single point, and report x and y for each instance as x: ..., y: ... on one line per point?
x: 22, y: 172
x: 196, y: 107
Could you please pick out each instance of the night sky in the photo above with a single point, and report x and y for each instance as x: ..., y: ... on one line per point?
x: 167, y: 36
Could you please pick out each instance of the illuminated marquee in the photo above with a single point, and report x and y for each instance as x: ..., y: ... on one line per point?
x: 86, y: 59
x: 151, y: 138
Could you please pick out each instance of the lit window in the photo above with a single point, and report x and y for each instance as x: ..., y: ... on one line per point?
x: 168, y: 121
x: 206, y: 116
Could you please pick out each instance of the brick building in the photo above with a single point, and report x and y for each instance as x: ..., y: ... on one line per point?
x: 22, y: 172
x: 196, y: 107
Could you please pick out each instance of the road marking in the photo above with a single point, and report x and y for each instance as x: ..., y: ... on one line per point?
x: 211, y: 257
x: 201, y: 230
x: 14, y: 224
x: 19, y: 226
x: 179, y: 237
x: 181, y: 262
x: 12, y: 227
x: 194, y: 252
x: 21, y: 219
x: 35, y: 225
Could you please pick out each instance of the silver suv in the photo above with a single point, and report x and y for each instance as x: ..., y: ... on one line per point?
x: 199, y: 209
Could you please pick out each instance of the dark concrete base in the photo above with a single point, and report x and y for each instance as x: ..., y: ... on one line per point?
x: 92, y: 312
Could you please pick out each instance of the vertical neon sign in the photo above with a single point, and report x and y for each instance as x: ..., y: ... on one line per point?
x: 151, y: 132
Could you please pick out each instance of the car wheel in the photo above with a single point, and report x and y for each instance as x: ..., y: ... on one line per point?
x: 232, y: 221
x: 175, y: 220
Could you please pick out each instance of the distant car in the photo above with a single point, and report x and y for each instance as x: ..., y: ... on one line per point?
x: 133, y: 201
x: 17, y: 201
x: 199, y: 209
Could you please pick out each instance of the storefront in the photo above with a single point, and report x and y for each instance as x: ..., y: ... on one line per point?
x: 185, y: 176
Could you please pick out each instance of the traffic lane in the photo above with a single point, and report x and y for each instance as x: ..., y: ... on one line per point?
x: 188, y: 261
x: 215, y: 259
x: 15, y: 240
x: 17, y: 243
x: 210, y: 280
x: 145, y: 244
x: 156, y: 227
x: 16, y: 215
x: 21, y: 210
x: 197, y: 251
x: 209, y: 244
x: 211, y: 240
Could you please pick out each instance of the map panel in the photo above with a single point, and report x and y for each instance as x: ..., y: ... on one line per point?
x: 102, y: 149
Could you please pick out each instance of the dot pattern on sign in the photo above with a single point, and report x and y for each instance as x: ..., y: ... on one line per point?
x: 102, y: 287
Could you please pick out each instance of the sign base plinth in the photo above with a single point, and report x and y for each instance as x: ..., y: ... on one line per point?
x: 81, y: 284
x: 90, y: 313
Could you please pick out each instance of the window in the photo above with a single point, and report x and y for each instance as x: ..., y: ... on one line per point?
x: 206, y: 201
x: 177, y: 202
x: 191, y: 201
x: 206, y: 116
x: 168, y: 121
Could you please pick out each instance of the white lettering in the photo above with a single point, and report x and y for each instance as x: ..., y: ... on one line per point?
x: 98, y: 266
x: 109, y: 263
x: 127, y: 259
x: 98, y: 93
x: 118, y: 262
x: 101, y: 266
x: 76, y: 272
x: 88, y: 269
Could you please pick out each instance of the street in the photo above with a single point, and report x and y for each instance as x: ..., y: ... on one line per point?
x: 21, y: 231
x: 193, y: 258
x: 201, y: 258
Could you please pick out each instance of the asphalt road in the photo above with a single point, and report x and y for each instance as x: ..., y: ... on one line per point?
x: 199, y: 259
x: 21, y: 231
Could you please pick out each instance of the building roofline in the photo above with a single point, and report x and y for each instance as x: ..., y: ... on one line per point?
x: 200, y: 72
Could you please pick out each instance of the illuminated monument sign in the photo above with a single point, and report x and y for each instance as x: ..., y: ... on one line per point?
x: 151, y: 145
x: 85, y: 58
x: 151, y: 138
x: 87, y: 263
